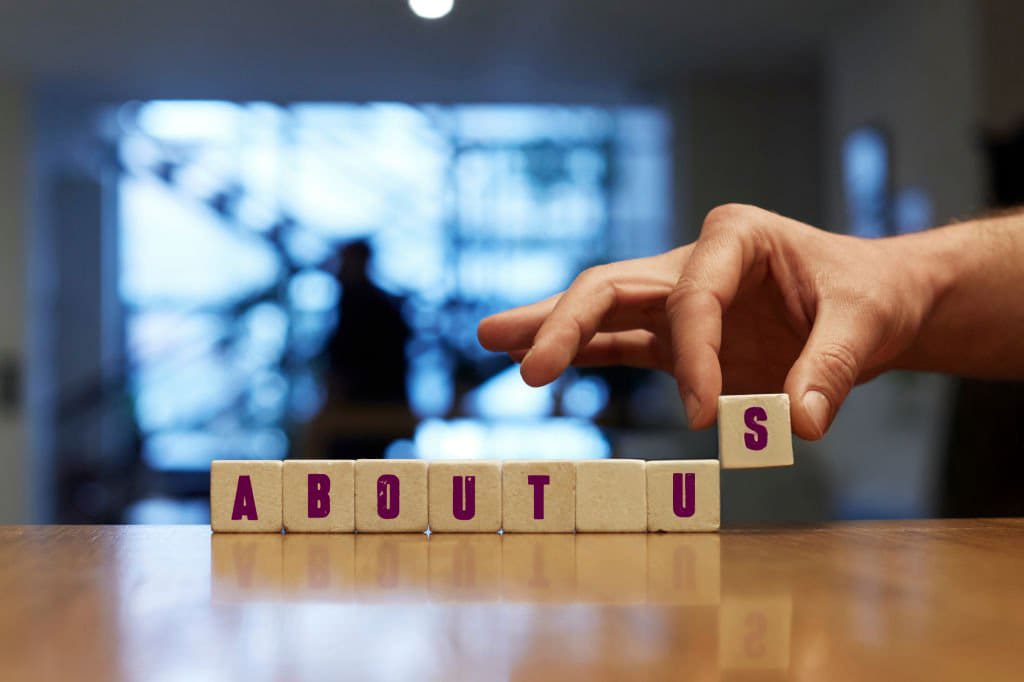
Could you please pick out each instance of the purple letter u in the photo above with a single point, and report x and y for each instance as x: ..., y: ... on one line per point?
x: 683, y: 508
x: 464, y: 503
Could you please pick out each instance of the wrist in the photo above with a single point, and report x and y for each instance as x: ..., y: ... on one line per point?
x: 934, y: 262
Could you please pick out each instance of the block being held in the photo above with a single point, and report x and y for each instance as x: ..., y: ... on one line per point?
x: 754, y: 431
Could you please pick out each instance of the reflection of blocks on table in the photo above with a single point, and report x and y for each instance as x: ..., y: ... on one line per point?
x: 754, y: 431
x: 465, y: 497
x: 465, y: 567
x: 245, y: 496
x: 754, y: 632
x: 318, y: 496
x: 683, y: 495
x: 684, y: 569
x: 391, y: 496
x: 611, y: 568
x: 538, y: 567
x: 538, y: 497
x: 391, y: 566
x: 611, y: 496
x: 319, y: 566
x: 244, y: 567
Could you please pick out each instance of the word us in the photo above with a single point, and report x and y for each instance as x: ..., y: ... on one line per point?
x: 485, y: 496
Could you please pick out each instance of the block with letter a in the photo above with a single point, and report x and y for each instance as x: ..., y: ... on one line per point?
x: 683, y: 495
x: 754, y: 431
x: 245, y: 496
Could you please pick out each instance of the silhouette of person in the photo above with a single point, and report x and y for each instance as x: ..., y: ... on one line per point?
x: 366, y: 366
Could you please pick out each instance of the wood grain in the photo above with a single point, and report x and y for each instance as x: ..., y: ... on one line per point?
x: 932, y: 600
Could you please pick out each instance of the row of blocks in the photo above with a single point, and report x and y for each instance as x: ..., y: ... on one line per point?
x: 403, y: 496
x: 408, y: 496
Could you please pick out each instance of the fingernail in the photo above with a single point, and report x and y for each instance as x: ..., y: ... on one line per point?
x: 818, y: 408
x: 692, y: 405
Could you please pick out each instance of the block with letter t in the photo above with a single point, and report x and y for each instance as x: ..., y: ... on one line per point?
x: 754, y: 431
x: 538, y: 496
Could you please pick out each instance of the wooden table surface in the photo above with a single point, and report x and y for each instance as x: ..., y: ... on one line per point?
x: 895, y: 600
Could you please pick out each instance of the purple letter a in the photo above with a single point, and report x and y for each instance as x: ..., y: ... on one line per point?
x: 245, y: 501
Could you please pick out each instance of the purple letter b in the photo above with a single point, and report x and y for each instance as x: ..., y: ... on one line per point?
x: 464, y: 503
x: 683, y: 508
x: 319, y: 497
x: 752, y: 417
x: 387, y: 496
x: 245, y: 501
x: 538, y: 481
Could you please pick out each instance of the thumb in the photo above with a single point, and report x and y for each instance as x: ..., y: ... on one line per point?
x: 840, y: 344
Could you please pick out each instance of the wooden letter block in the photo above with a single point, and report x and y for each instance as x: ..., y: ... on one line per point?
x: 391, y: 496
x: 465, y: 497
x: 538, y: 497
x: 611, y: 496
x: 683, y: 495
x: 754, y: 431
x: 319, y: 496
x: 245, y: 496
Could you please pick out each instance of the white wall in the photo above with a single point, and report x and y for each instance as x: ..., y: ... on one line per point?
x: 910, y: 67
x: 14, y: 147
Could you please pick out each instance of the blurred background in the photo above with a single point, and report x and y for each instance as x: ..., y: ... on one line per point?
x: 269, y: 229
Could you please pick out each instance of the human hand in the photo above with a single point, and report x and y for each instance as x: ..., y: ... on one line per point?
x: 758, y: 304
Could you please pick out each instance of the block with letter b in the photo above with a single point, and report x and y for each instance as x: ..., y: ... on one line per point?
x: 754, y: 431
x: 391, y: 496
x: 319, y: 496
x: 245, y: 496
x: 538, y: 496
x: 683, y: 495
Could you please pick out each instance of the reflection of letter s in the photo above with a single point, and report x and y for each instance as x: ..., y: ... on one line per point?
x: 387, y: 496
x: 752, y: 417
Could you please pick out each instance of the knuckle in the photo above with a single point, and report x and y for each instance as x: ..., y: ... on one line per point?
x: 684, y: 290
x: 727, y: 217
x: 591, y: 277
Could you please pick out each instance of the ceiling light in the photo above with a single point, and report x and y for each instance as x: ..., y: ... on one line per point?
x: 431, y: 9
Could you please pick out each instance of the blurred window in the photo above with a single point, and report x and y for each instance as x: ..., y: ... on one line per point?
x: 230, y: 213
x: 866, y: 181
